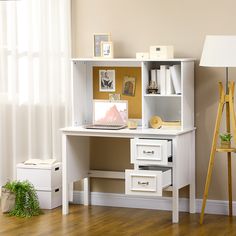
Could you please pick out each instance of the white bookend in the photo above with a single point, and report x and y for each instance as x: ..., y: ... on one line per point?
x: 159, y: 80
x: 175, y: 72
x: 169, y: 83
x: 163, y: 79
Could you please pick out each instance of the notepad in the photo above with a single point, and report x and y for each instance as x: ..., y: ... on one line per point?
x: 40, y: 162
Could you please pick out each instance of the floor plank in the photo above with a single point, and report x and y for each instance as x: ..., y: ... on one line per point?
x: 112, y: 221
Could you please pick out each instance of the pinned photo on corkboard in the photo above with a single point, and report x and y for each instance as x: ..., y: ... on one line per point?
x: 107, y: 81
x: 128, y: 86
x: 114, y: 96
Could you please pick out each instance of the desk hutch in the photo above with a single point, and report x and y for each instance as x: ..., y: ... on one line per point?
x: 164, y: 159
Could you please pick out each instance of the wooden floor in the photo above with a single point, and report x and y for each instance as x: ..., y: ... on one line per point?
x: 111, y: 221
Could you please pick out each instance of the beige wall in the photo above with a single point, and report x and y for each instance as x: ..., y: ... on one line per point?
x: 135, y: 25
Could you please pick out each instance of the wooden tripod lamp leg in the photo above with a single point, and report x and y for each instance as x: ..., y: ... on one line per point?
x: 213, y: 150
x: 230, y: 113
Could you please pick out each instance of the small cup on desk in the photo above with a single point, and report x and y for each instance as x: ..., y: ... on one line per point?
x: 132, y: 124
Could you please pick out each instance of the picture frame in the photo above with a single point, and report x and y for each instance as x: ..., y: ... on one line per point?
x: 107, y: 49
x: 107, y: 81
x: 128, y: 88
x: 97, y: 39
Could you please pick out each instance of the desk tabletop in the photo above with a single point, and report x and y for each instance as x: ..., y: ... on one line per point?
x: 124, y: 133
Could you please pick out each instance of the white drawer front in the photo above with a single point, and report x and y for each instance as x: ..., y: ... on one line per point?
x: 143, y: 183
x: 149, y: 151
x: 146, y: 182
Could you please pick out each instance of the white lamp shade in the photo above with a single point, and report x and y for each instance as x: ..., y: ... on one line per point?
x: 219, y: 51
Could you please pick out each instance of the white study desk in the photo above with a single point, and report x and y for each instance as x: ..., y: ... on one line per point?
x: 76, y: 155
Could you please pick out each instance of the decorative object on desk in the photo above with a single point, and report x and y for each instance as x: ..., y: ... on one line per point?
x: 98, y: 38
x: 142, y: 55
x: 107, y: 81
x: 220, y: 51
x: 128, y: 86
x: 153, y: 87
x: 155, y: 122
x: 26, y: 201
x: 107, y: 49
x: 114, y: 96
x: 225, y: 140
x: 8, y: 199
x: 161, y: 52
x: 132, y: 124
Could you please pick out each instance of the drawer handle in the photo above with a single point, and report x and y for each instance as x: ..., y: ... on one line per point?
x: 143, y: 183
x: 148, y: 152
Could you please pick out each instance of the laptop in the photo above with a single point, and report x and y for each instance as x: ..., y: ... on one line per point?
x: 109, y: 114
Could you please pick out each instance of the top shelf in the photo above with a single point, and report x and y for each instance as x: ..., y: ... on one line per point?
x: 131, y: 60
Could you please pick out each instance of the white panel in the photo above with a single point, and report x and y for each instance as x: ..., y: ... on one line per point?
x: 183, y: 156
x: 187, y: 75
x: 77, y: 158
x: 89, y: 89
x: 79, y: 95
x: 145, y: 106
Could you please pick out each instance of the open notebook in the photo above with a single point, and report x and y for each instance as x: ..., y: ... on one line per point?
x: 109, y: 114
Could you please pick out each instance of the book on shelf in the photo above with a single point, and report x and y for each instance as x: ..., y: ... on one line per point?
x: 169, y: 83
x: 158, y: 71
x: 163, y: 79
x: 175, y: 72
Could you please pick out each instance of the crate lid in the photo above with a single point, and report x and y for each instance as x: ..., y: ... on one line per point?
x: 39, y: 166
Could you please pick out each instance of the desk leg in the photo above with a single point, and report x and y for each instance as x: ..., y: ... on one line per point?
x: 86, y: 191
x: 65, y: 184
x: 192, y: 199
x: 71, y: 192
x: 192, y: 196
x: 175, y: 206
x: 65, y: 199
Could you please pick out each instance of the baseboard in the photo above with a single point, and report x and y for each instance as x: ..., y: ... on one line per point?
x: 156, y: 203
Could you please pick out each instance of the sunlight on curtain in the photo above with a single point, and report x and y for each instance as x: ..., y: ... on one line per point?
x: 34, y: 80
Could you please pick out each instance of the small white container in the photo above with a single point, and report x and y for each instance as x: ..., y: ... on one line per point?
x: 50, y: 199
x: 43, y: 177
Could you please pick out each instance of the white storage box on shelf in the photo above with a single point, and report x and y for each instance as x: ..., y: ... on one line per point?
x: 47, y: 180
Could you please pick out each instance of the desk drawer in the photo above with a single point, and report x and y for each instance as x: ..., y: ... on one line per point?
x: 147, y: 182
x: 150, y: 151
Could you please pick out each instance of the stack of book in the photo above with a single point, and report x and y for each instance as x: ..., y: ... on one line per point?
x: 167, y: 79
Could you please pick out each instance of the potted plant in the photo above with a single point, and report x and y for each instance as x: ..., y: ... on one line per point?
x: 26, y: 199
x: 225, y: 140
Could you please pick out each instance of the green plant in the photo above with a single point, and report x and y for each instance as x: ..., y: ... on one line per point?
x: 27, y: 203
x: 225, y: 137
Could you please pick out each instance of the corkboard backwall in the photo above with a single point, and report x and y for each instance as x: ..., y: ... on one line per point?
x: 134, y: 102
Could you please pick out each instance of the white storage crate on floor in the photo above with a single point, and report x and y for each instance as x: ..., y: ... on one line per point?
x: 50, y: 199
x: 47, y: 180
x: 43, y: 177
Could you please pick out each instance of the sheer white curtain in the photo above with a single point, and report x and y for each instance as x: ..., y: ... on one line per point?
x: 34, y: 80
